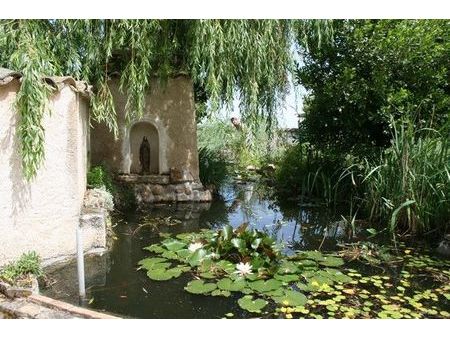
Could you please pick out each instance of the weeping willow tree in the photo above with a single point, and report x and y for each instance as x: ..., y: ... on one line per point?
x: 248, y: 59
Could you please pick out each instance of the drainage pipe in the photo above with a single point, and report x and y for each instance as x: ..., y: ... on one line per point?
x: 80, y: 264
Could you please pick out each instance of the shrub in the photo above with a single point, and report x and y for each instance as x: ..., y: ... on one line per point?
x: 311, y: 174
x: 28, y: 263
x: 99, y: 177
x: 406, y: 187
x: 213, y: 169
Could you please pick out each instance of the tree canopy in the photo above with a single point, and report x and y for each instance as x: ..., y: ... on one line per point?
x: 251, y: 59
x: 373, y: 71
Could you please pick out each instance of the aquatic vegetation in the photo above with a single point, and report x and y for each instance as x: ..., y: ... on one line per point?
x: 252, y: 305
x: 370, y: 253
x: 306, y: 284
x: 243, y: 269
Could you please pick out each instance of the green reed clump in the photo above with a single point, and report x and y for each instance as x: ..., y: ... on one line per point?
x: 311, y: 174
x: 405, y: 187
x: 409, y: 186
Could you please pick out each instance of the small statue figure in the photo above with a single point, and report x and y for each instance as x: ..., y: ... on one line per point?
x: 236, y: 123
x: 144, y: 156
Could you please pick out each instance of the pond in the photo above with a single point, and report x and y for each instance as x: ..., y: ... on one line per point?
x: 114, y: 283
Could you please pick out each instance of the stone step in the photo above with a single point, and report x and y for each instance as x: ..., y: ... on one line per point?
x: 150, y: 179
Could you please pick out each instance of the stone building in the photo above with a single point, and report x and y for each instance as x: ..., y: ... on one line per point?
x: 169, y: 125
x: 43, y: 214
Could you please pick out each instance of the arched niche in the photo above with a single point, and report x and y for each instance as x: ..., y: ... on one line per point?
x: 137, y: 133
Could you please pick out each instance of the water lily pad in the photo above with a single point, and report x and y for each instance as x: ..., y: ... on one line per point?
x: 252, y: 305
x: 156, y: 248
x: 312, y: 255
x: 148, y: 263
x: 306, y: 263
x: 230, y: 285
x: 226, y: 266
x: 338, y: 276
x: 155, y: 264
x: 197, y: 257
x: 286, y: 278
x: 332, y: 308
x: 287, y: 267
x: 275, y: 293
x: 185, y: 237
x: 200, y: 287
x: 291, y: 298
x: 183, y: 253
x: 265, y: 286
x: 184, y: 268
x: 163, y: 274
x: 223, y: 293
x: 173, y: 244
x: 169, y: 255
x: 208, y: 275
x: 331, y: 261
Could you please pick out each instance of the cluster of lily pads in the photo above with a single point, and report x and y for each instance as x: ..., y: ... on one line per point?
x: 249, y: 266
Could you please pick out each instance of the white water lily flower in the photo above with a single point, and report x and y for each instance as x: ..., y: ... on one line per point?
x: 243, y: 269
x: 214, y: 256
x: 195, y: 246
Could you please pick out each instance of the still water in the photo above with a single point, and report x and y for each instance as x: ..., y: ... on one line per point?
x: 116, y: 286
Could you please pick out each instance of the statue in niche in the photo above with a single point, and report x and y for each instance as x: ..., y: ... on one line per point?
x: 144, y: 156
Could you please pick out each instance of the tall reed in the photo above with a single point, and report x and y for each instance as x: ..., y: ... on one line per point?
x: 408, y: 188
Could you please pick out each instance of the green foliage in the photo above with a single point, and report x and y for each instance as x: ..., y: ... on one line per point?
x: 373, y: 70
x: 242, y: 245
x: 254, y: 144
x: 214, y: 169
x: 299, y: 285
x: 252, y: 305
x: 99, y: 177
x: 251, y: 58
x: 311, y: 174
x: 28, y: 263
x: 375, y: 132
x: 199, y: 286
x: 409, y: 185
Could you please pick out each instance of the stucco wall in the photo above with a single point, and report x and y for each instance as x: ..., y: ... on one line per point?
x: 171, y: 110
x: 42, y: 215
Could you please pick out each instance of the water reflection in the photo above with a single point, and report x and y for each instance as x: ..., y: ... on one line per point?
x: 114, y: 284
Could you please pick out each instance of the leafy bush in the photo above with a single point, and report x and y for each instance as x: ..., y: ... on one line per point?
x: 213, y: 169
x: 305, y: 172
x: 99, y: 177
x: 28, y: 263
x: 373, y: 70
x: 407, y: 186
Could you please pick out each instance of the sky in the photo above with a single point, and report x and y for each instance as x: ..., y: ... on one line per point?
x: 287, y: 116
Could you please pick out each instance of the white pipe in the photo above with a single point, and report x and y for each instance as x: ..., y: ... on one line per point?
x: 80, y: 264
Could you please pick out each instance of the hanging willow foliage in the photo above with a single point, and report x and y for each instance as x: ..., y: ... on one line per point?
x: 250, y: 59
